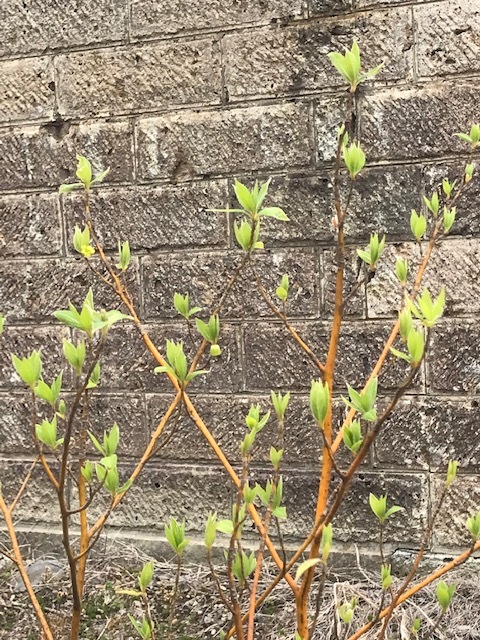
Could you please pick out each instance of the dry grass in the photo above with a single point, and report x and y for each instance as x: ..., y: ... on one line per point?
x: 200, y: 615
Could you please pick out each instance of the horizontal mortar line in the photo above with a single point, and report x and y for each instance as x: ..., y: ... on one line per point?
x: 308, y: 171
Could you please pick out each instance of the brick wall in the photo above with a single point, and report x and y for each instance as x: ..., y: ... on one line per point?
x: 178, y: 98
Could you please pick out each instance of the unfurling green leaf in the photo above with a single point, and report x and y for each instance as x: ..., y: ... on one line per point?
x: 473, y: 138
x: 401, y: 270
x: 364, y: 402
x: 327, y: 539
x: 305, y: 566
x: 243, y: 566
x: 428, y: 311
x: 211, y: 530
x: 175, y: 534
x: 379, y: 507
x: 123, y: 255
x: 275, y: 457
x: 352, y: 436
x: 319, y: 401
x: 29, y: 369
x: 49, y: 393
x: 84, y: 171
x: 87, y: 471
x: 433, y: 204
x: 354, y: 159
x: 82, y: 242
x: 282, y: 289
x: 210, y: 331
x: 182, y: 305
x: 386, y: 577
x: 46, y: 433
x: 280, y: 403
x: 346, y: 611
x: 406, y: 323
x: 444, y: 594
x: 451, y: 472
x: 416, y: 346
x: 75, y: 355
x: 418, y: 225
x: 373, y: 252
x: 473, y: 526
x: 448, y: 218
x: 349, y: 66
x: 146, y: 575
x: 274, y: 212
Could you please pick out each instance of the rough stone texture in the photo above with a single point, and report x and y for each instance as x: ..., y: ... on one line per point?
x: 463, y: 500
x: 428, y: 433
x: 153, y: 18
x: 275, y: 62
x: 205, y: 276
x: 406, y: 123
x: 27, y: 89
x: 184, y: 145
x: 454, y: 359
x: 30, y: 225
x: 43, y: 155
x: 39, y: 493
x: 156, y: 218
x: 143, y: 78
x: 29, y: 26
x: 46, y: 285
x: 450, y: 45
x: 178, y: 101
x: 459, y: 261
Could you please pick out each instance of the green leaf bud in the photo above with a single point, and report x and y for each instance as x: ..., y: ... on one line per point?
x: 401, y: 269
x: 444, y: 594
x: 451, y: 472
x: 386, y: 577
x: 418, y: 225
x: 211, y: 530
x: 280, y: 403
x: 146, y: 575
x: 29, y: 369
x: 319, y: 401
x: 354, y: 159
x: 473, y: 526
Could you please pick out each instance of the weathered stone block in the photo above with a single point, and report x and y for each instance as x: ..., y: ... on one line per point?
x: 31, y: 26
x: 274, y: 62
x: 45, y: 155
x: 27, y: 89
x: 171, y: 491
x: 48, y: 285
x: 463, y: 500
x: 39, y: 502
x: 30, y: 225
x: 154, y: 218
x: 454, y: 266
x: 454, y: 358
x: 447, y: 44
x: 381, y: 201
x: 429, y: 432
x: 128, y: 364
x: 181, y: 146
x: 329, y: 115
x: 355, y: 521
x: 321, y: 7
x: 22, y: 341
x: 273, y: 360
x: 16, y: 424
x: 206, y: 275
x: 153, y: 18
x: 413, y: 123
x: 140, y: 78
x: 225, y: 416
x: 354, y: 295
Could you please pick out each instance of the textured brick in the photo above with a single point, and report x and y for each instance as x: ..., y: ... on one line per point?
x: 412, y: 123
x: 273, y: 360
x: 454, y: 266
x: 30, y: 225
x: 128, y: 364
x: 139, y: 79
x: 355, y: 520
x: 45, y: 155
x: 274, y: 62
x: 463, y: 500
x: 128, y: 410
x: 22, y: 341
x: 205, y: 276
x: 27, y: 90
x: 381, y: 201
x: 355, y: 303
x: 187, y: 144
x: 156, y: 217
x: 151, y: 17
x: 47, y: 285
x: 15, y: 424
x: 39, y: 502
x: 225, y: 416
x: 454, y: 359
x: 31, y: 26
x: 329, y: 115
x: 321, y: 7
x: 450, y: 44
x: 174, y: 492
x: 428, y: 433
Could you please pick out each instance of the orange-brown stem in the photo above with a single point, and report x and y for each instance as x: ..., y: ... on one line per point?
x: 18, y: 559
